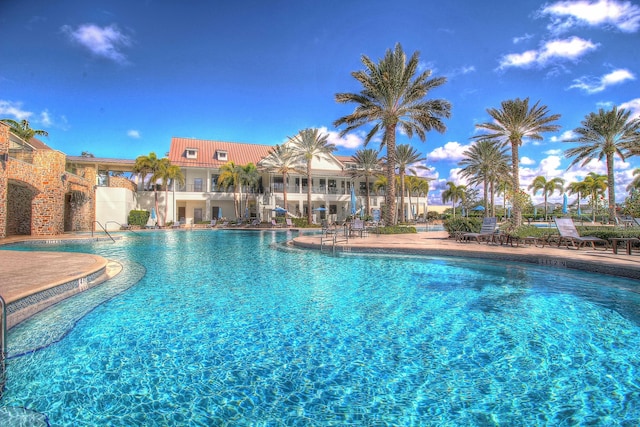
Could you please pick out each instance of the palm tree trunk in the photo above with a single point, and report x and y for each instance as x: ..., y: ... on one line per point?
x: 309, y: 217
x: 515, y: 161
x: 390, y: 196
x: 403, y: 217
x: 611, y: 189
x: 368, y: 201
x: 284, y: 191
x: 486, y: 198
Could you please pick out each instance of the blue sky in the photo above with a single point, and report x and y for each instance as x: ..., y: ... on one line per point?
x: 120, y: 78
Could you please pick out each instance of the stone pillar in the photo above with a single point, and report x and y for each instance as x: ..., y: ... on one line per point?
x: 48, y: 206
x: 4, y: 181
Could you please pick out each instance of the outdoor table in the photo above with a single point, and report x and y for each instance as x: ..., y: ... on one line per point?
x: 628, y: 240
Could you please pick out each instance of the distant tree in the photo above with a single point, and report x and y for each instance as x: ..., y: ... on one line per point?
x: 23, y: 130
x: 282, y: 159
x: 579, y: 188
x: 512, y: 123
x: 635, y: 184
x: 548, y: 187
x: 148, y: 166
x: 595, y: 186
x: 454, y: 193
x: 311, y: 144
x: 406, y: 156
x: 605, y: 135
x: 87, y: 154
x: 392, y: 96
x: 169, y: 174
x: 485, y: 162
x: 367, y: 167
x: 250, y: 177
x: 231, y: 176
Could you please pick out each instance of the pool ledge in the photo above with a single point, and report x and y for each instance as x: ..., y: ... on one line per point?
x: 33, y: 281
x: 438, y: 244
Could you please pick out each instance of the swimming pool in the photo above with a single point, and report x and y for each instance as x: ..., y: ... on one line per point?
x: 227, y: 327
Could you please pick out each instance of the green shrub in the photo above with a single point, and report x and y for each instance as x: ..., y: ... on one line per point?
x: 138, y: 218
x: 395, y: 229
x: 463, y: 225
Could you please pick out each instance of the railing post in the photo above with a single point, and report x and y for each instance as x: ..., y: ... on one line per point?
x: 3, y: 345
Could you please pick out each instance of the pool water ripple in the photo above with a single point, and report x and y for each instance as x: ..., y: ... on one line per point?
x: 225, y: 330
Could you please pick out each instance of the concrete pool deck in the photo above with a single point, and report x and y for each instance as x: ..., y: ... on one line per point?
x: 27, y: 274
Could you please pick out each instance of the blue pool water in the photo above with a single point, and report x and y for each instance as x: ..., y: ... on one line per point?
x: 232, y: 328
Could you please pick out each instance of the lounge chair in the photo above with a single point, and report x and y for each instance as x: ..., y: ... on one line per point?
x: 487, y: 231
x: 275, y: 224
x: 289, y: 222
x: 358, y: 228
x: 569, y: 235
x: 213, y: 223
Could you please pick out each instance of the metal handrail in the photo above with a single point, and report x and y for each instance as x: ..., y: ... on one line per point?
x: 3, y: 345
x: 104, y: 229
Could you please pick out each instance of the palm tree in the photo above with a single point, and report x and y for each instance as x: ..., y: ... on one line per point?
x: 23, y: 130
x: 603, y: 135
x: 513, y: 122
x: 282, y: 159
x: 548, y: 187
x: 636, y: 180
x: 230, y: 176
x: 393, y: 96
x: 145, y: 166
x: 250, y: 177
x: 579, y: 188
x: 595, y: 185
x: 484, y: 163
x: 367, y: 166
x: 310, y: 144
x: 406, y: 155
x: 422, y: 189
x: 169, y: 173
x: 412, y: 185
x: 454, y: 193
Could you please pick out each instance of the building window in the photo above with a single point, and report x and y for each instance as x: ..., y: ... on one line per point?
x: 191, y: 153
x: 197, y: 184
x: 221, y: 155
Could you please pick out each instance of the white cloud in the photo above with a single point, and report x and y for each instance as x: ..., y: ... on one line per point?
x: 45, y: 118
x: 591, y: 85
x: 633, y: 106
x: 565, y: 15
x: 465, y: 69
x: 568, y: 134
x: 104, y: 42
x: 351, y: 141
x: 550, y: 52
x: 521, y: 39
x: 553, y: 152
x: 14, y: 109
x: 451, y: 151
x: 132, y: 133
x: 527, y: 161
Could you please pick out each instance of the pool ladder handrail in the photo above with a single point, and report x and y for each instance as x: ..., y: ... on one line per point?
x: 3, y: 345
x: 104, y: 229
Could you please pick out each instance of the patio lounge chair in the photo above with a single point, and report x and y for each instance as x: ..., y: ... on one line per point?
x: 289, y: 222
x: 275, y: 224
x: 569, y: 235
x: 358, y: 228
x: 486, y: 234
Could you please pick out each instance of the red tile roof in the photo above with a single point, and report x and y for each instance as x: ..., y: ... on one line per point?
x: 239, y: 153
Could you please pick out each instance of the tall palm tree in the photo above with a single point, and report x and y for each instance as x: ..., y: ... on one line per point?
x: 169, y: 173
x: 412, y: 185
x: 512, y: 123
x: 422, y: 189
x: 23, y: 130
x: 148, y: 166
x: 454, y: 193
x: 311, y: 144
x: 484, y: 163
x: 250, y: 177
x: 406, y: 156
x: 393, y: 96
x: 282, y: 159
x: 548, y: 187
x: 605, y: 135
x: 579, y: 188
x: 367, y: 166
x: 595, y: 186
x: 231, y: 176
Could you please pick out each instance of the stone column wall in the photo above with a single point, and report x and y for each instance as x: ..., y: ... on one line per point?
x: 48, y: 206
x: 4, y: 181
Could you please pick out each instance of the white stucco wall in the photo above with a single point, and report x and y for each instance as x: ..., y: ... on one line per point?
x: 113, y: 206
